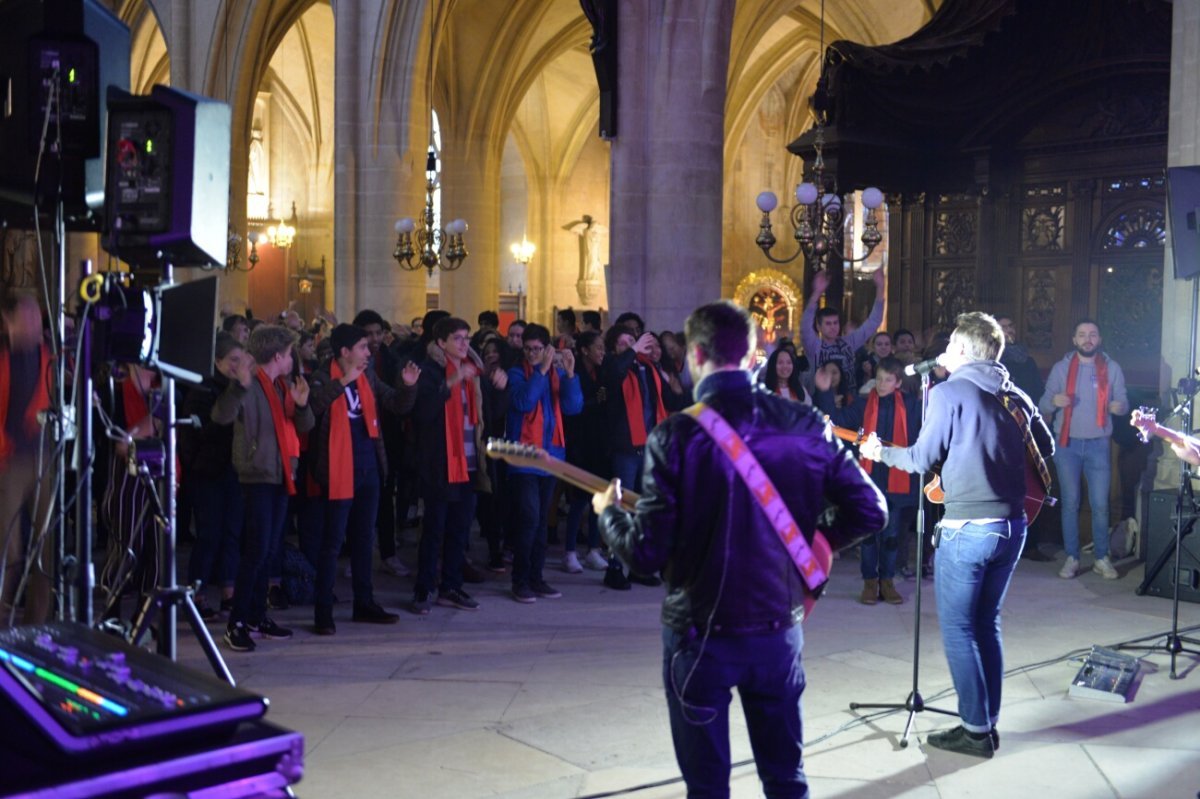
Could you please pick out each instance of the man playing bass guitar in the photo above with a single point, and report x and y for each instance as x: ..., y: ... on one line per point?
x: 735, y: 590
x: 970, y: 429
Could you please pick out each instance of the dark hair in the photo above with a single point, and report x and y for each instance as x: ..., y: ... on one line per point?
x: 982, y: 338
x: 267, y: 341
x: 226, y: 344
x: 722, y: 331
x: 828, y: 310
x: 567, y: 315
x: 516, y: 322
x: 629, y: 316
x: 592, y: 318
x: 770, y: 374
x: 368, y: 317
x: 890, y: 364
x: 614, y: 333
x: 536, y: 332
x: 305, y: 337
x: 1087, y: 320
x: 448, y: 326
x: 903, y: 331
x: 232, y: 321
x: 586, y: 339
x: 428, y: 323
x: 489, y: 318
x: 417, y: 320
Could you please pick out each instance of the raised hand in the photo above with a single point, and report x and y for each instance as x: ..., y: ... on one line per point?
x: 352, y: 372
x: 548, y: 356
x: 644, y: 344
x: 500, y: 379
x: 410, y: 373
x: 568, y: 362
x: 243, y: 370
x: 820, y: 282
x: 299, y: 390
x: 878, y: 277
x: 822, y: 380
x: 871, y: 449
x: 1063, y: 400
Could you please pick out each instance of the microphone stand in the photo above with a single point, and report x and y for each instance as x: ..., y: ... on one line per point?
x: 915, y: 703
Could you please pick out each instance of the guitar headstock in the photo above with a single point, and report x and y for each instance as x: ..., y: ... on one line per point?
x: 1144, y: 419
x: 516, y: 453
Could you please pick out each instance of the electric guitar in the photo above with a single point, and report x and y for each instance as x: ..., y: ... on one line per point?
x: 1144, y: 419
x: 1035, y: 494
x: 528, y: 456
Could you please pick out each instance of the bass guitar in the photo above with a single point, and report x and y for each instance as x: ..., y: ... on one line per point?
x: 1035, y: 495
x: 527, y: 456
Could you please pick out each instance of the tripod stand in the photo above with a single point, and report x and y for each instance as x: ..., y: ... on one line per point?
x: 915, y: 703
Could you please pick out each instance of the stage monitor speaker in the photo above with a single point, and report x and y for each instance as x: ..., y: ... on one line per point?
x: 1183, y: 200
x: 82, y: 48
x: 167, y: 180
x: 1160, y: 536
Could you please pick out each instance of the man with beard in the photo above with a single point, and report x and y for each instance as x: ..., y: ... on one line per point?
x: 1084, y: 388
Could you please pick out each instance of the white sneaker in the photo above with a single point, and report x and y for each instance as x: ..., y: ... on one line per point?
x: 595, y: 561
x: 394, y: 566
x: 1070, y: 568
x: 1105, y: 569
x: 570, y: 563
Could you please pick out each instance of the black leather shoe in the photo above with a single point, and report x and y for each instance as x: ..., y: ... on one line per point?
x: 373, y: 614
x: 615, y: 579
x: 963, y: 742
x: 995, y: 740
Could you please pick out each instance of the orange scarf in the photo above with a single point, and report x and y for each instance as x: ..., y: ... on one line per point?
x: 631, y: 390
x: 456, y: 453
x: 133, y: 403
x: 898, y: 479
x: 341, y: 449
x: 1101, y: 366
x: 39, y: 402
x: 285, y: 431
x: 533, y: 424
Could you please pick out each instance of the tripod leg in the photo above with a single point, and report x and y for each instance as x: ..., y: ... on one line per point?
x: 205, y: 638
x: 141, y: 624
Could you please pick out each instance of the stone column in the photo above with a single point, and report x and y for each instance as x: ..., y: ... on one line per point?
x: 667, y: 175
x: 379, y: 154
x: 1183, y: 149
x: 471, y: 191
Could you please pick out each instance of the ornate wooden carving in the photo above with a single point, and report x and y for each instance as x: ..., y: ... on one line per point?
x: 953, y: 294
x: 1038, y: 298
x: 955, y: 232
x: 1130, y: 306
x: 1043, y: 229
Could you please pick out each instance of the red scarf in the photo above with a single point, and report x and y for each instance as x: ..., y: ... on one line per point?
x: 898, y: 479
x: 1101, y: 366
x: 632, y: 391
x: 456, y: 453
x: 39, y: 402
x: 533, y: 424
x: 285, y: 431
x: 133, y: 402
x: 341, y: 448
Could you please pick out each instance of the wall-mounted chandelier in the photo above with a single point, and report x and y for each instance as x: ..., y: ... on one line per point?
x: 523, y: 250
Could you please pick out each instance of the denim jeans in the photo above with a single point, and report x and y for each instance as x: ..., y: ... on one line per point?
x: 532, y: 494
x: 627, y: 467
x: 1084, y: 457
x: 354, y: 518
x: 768, y: 674
x: 220, y: 515
x: 445, y: 528
x: 581, y: 503
x: 266, y: 514
x: 973, y: 568
x: 878, y: 552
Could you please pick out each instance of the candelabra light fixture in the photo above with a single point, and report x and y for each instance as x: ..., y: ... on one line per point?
x: 523, y: 250
x: 233, y: 252
x: 283, y: 235
x: 431, y: 246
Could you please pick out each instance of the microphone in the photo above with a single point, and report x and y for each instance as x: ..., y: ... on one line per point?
x: 922, y: 368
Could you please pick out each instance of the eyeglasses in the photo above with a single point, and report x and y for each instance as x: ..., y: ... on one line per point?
x: 534, y: 348
x: 460, y: 337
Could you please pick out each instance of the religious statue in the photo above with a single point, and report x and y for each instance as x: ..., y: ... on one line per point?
x: 593, y: 250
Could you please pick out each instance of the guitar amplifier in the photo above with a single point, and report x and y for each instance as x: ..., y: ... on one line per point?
x: 1160, y: 536
x: 68, y: 689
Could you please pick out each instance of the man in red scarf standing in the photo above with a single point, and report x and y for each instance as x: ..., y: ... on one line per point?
x: 267, y: 409
x: 542, y: 390
x: 349, y: 464
x: 448, y: 420
x: 25, y: 383
x: 1083, y: 389
x: 896, y: 418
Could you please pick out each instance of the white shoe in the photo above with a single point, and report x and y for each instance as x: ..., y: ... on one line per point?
x: 595, y: 561
x: 394, y: 566
x: 570, y: 563
x: 1070, y: 568
x: 1105, y: 569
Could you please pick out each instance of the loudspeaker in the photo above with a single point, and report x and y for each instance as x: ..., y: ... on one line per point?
x: 1183, y: 201
x: 1160, y: 537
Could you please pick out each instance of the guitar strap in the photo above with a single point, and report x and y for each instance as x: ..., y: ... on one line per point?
x: 763, y: 491
x: 1031, y: 448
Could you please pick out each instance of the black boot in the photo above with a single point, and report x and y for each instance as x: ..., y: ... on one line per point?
x: 962, y: 741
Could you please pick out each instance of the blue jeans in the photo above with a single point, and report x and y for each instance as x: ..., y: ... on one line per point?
x: 532, y: 494
x: 878, y: 552
x: 266, y: 514
x: 973, y: 568
x: 445, y: 528
x: 220, y: 515
x: 1084, y: 457
x: 767, y: 672
x: 354, y: 517
x: 627, y: 467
